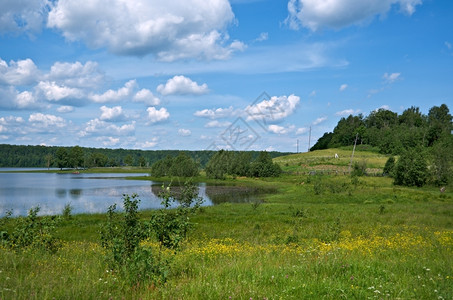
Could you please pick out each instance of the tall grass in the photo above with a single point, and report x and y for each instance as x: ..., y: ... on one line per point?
x: 363, y: 240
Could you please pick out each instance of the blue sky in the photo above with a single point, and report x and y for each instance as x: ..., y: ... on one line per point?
x: 197, y: 74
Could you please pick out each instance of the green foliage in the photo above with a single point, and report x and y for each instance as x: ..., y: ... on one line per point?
x: 62, y: 158
x: 264, y: 167
x: 441, y: 155
x: 76, y: 157
x: 224, y: 163
x: 67, y: 212
x: 389, y: 166
x: 390, y: 132
x: 31, y: 232
x: 181, y: 166
x: 170, y: 226
x: 411, y: 169
x: 359, y: 168
x: 122, y: 234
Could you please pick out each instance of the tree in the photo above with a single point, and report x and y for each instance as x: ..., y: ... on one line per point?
x: 76, y: 157
x: 264, y: 167
x: 411, y: 168
x: 389, y: 166
x: 441, y: 161
x: 49, y: 159
x: 129, y: 160
x: 142, y: 161
x: 439, y: 123
x: 62, y: 158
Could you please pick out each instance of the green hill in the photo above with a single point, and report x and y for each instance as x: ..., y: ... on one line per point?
x: 324, y: 161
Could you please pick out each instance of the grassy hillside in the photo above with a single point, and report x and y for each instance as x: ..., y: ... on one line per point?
x: 324, y: 160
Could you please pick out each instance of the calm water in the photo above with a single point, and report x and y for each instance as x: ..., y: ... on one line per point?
x: 86, y: 193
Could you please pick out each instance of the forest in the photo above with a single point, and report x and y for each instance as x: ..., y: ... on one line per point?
x: 81, y: 157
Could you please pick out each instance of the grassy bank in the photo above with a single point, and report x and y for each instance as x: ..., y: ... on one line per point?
x: 318, y: 237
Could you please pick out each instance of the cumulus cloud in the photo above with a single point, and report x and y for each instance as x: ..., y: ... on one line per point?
x: 277, y: 129
x: 18, y: 16
x: 76, y: 74
x: 147, y: 144
x: 65, y: 109
x: 21, y: 72
x: 108, y: 141
x: 314, y: 14
x: 112, y: 113
x: 391, y: 78
x: 319, y: 120
x: 188, y: 29
x: 155, y: 115
x: 10, y: 98
x: 183, y: 86
x: 302, y: 130
x: 46, y: 122
x: 217, y: 124
x: 102, y: 128
x: 115, y: 96
x: 343, y: 87
x: 346, y: 112
x: 184, y: 132
x: 147, y: 97
x: 215, y: 113
x: 55, y: 92
x: 273, y: 109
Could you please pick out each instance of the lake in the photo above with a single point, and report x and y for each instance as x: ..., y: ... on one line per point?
x: 94, y: 193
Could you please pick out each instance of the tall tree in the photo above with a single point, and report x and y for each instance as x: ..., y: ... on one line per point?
x: 76, y: 157
x: 62, y: 158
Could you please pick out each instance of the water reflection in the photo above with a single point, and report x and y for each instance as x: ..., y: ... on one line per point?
x: 94, y: 194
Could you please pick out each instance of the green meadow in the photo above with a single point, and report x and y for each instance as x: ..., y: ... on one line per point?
x: 320, y: 235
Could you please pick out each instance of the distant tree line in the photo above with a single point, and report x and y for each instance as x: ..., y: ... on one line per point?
x: 83, y: 157
x: 221, y: 164
x: 424, y: 143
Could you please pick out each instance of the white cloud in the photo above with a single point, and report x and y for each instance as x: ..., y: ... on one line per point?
x: 147, y: 144
x: 55, y: 92
x: 217, y: 124
x: 21, y: 72
x: 215, y: 113
x: 315, y: 14
x: 168, y: 30
x: 302, y: 130
x: 274, y: 109
x: 76, y: 74
x: 112, y: 114
x: 182, y: 85
x: 65, y: 109
x: 385, y: 107
x: 115, y: 96
x: 10, y: 98
x: 102, y: 128
x: 108, y: 141
x: 391, y: 78
x: 147, y: 97
x: 155, y: 115
x: 346, y: 112
x: 319, y: 120
x: 264, y: 36
x: 343, y: 87
x: 277, y: 129
x: 184, y: 132
x: 45, y: 121
x: 19, y: 16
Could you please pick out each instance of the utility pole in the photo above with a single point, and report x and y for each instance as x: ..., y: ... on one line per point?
x: 309, y: 140
x: 353, y: 150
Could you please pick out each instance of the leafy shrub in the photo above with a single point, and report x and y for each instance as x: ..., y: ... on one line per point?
x: 32, y: 232
x: 411, y: 169
x: 389, y: 166
x: 359, y: 169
